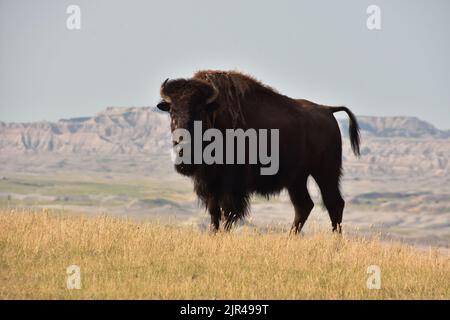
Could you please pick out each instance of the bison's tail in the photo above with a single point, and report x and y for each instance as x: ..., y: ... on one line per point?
x: 353, y: 128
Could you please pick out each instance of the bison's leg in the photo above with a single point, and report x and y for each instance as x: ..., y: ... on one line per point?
x: 215, y: 213
x: 302, y: 202
x: 235, y: 207
x: 332, y: 198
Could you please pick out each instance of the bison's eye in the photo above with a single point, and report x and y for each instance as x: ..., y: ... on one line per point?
x: 163, y: 106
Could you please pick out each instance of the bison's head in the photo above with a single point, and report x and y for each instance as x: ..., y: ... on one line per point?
x: 186, y: 100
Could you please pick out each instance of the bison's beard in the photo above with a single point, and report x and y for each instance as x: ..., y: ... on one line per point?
x: 185, y: 169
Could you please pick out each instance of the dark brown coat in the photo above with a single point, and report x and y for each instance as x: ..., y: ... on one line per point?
x: 309, y: 144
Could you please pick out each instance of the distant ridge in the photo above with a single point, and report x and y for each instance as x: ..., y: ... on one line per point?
x: 123, y: 130
x: 145, y: 130
x: 390, y: 145
x: 406, y: 127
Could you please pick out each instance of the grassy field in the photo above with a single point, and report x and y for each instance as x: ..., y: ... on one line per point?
x: 123, y: 259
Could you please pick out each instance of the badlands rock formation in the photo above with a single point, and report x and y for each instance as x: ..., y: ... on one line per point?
x: 390, y: 145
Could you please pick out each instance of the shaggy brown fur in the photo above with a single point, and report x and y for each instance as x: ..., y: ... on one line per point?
x: 309, y: 144
x: 233, y: 88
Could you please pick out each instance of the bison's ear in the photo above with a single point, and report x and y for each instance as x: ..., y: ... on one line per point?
x: 163, y: 106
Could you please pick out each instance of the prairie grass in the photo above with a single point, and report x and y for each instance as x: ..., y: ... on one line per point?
x: 123, y: 259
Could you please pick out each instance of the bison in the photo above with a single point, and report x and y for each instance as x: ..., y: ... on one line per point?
x: 309, y: 144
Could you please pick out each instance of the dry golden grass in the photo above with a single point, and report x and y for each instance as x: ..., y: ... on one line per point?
x: 125, y: 259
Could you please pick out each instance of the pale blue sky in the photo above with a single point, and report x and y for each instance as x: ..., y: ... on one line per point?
x: 318, y: 50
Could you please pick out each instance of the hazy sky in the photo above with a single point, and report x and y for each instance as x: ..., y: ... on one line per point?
x: 317, y: 50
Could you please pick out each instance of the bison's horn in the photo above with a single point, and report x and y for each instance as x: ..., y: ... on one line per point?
x: 213, y: 95
x: 164, y: 96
